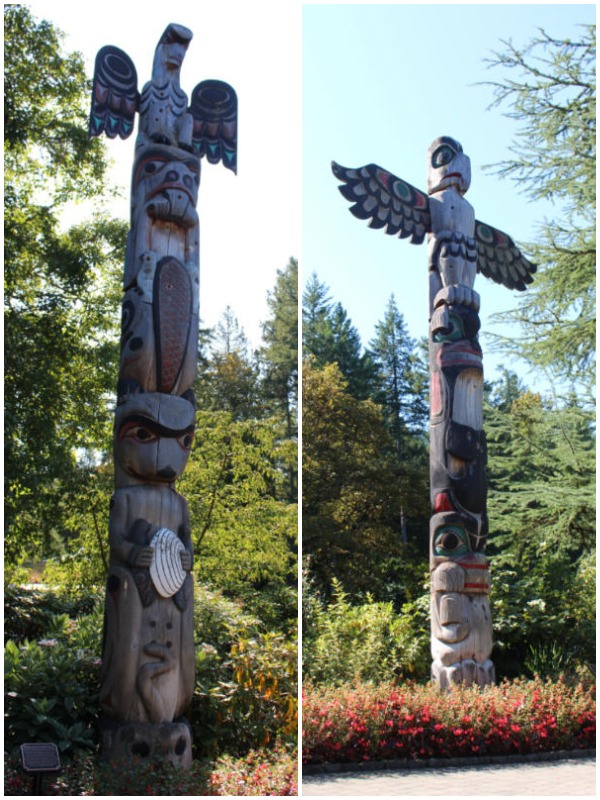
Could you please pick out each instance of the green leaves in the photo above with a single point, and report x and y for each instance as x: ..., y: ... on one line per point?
x: 553, y: 99
x: 541, y: 506
x: 243, y: 527
x: 61, y: 297
x: 50, y: 695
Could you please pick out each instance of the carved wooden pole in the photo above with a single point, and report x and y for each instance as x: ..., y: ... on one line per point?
x: 458, y: 247
x: 148, y: 652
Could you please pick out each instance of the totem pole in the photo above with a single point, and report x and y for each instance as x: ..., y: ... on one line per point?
x: 148, y: 649
x: 459, y: 246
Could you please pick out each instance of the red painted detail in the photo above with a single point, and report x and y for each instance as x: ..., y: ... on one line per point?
x: 455, y: 355
x: 482, y: 586
x: 384, y: 177
x: 468, y: 564
x: 436, y: 394
x: 442, y: 503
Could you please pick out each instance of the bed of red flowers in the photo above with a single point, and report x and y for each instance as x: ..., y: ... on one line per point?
x: 364, y: 722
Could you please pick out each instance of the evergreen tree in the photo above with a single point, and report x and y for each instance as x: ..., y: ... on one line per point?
x: 280, y: 357
x: 541, y: 507
x: 227, y: 377
x: 330, y: 338
x: 399, y: 389
x: 552, y: 92
x: 398, y: 376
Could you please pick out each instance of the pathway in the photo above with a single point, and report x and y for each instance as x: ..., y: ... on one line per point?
x: 574, y: 776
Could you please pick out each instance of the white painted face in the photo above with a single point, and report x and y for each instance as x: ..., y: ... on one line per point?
x: 447, y: 166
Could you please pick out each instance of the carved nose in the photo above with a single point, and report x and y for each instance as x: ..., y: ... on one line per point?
x: 172, y: 176
x: 448, y: 577
x: 167, y: 472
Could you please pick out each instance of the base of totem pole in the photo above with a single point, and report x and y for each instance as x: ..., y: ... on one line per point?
x: 467, y: 673
x: 162, y: 742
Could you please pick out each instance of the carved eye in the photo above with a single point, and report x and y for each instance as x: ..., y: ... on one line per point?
x: 152, y: 166
x: 442, y: 155
x: 454, y: 332
x: 450, y: 541
x: 186, y: 440
x: 137, y: 432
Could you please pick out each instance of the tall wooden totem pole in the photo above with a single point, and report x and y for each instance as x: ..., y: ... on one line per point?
x: 148, y: 650
x: 459, y: 246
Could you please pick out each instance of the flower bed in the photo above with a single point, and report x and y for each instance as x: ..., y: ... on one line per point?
x: 363, y: 722
x: 260, y: 773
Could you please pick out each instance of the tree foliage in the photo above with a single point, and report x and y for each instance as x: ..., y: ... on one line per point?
x: 401, y: 379
x: 542, y: 510
x: 280, y: 345
x: 551, y: 91
x: 279, y: 357
x: 329, y: 336
x: 60, y: 296
x: 228, y: 377
x: 352, y: 492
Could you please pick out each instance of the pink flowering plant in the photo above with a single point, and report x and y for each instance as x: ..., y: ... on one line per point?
x: 363, y: 722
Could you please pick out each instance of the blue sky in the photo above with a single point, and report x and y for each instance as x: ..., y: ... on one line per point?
x: 380, y: 83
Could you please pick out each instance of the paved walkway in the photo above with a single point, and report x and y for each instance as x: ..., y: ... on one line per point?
x: 575, y: 776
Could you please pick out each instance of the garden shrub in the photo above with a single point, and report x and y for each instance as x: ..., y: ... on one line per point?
x: 246, y: 693
x: 30, y: 613
x: 370, y: 641
x: 543, y: 615
x: 51, y: 692
x: 246, y: 680
x: 377, y: 722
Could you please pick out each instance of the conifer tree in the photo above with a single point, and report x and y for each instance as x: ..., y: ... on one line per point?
x: 551, y: 90
x: 329, y: 336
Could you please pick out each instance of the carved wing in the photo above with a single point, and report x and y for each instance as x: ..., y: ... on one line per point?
x: 214, y: 109
x: 115, y: 98
x: 500, y: 259
x: 386, y: 201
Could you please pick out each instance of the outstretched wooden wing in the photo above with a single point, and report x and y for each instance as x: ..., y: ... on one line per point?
x: 500, y: 259
x: 214, y: 108
x: 386, y: 201
x: 115, y: 97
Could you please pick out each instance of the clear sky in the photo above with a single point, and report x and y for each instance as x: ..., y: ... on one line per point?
x: 380, y: 83
x: 250, y: 223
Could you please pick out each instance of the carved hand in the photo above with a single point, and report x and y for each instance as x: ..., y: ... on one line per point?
x: 457, y: 295
x: 186, y: 560
x: 143, y: 558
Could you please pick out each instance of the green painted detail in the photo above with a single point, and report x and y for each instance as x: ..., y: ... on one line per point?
x: 456, y: 330
x: 451, y: 541
x: 402, y: 190
x: 484, y: 232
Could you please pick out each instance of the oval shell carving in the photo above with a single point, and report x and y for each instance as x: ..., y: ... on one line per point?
x: 166, y: 571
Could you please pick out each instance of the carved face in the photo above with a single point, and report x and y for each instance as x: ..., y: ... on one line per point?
x: 153, y: 438
x: 459, y: 588
x: 165, y: 183
x: 171, y: 48
x: 448, y: 166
